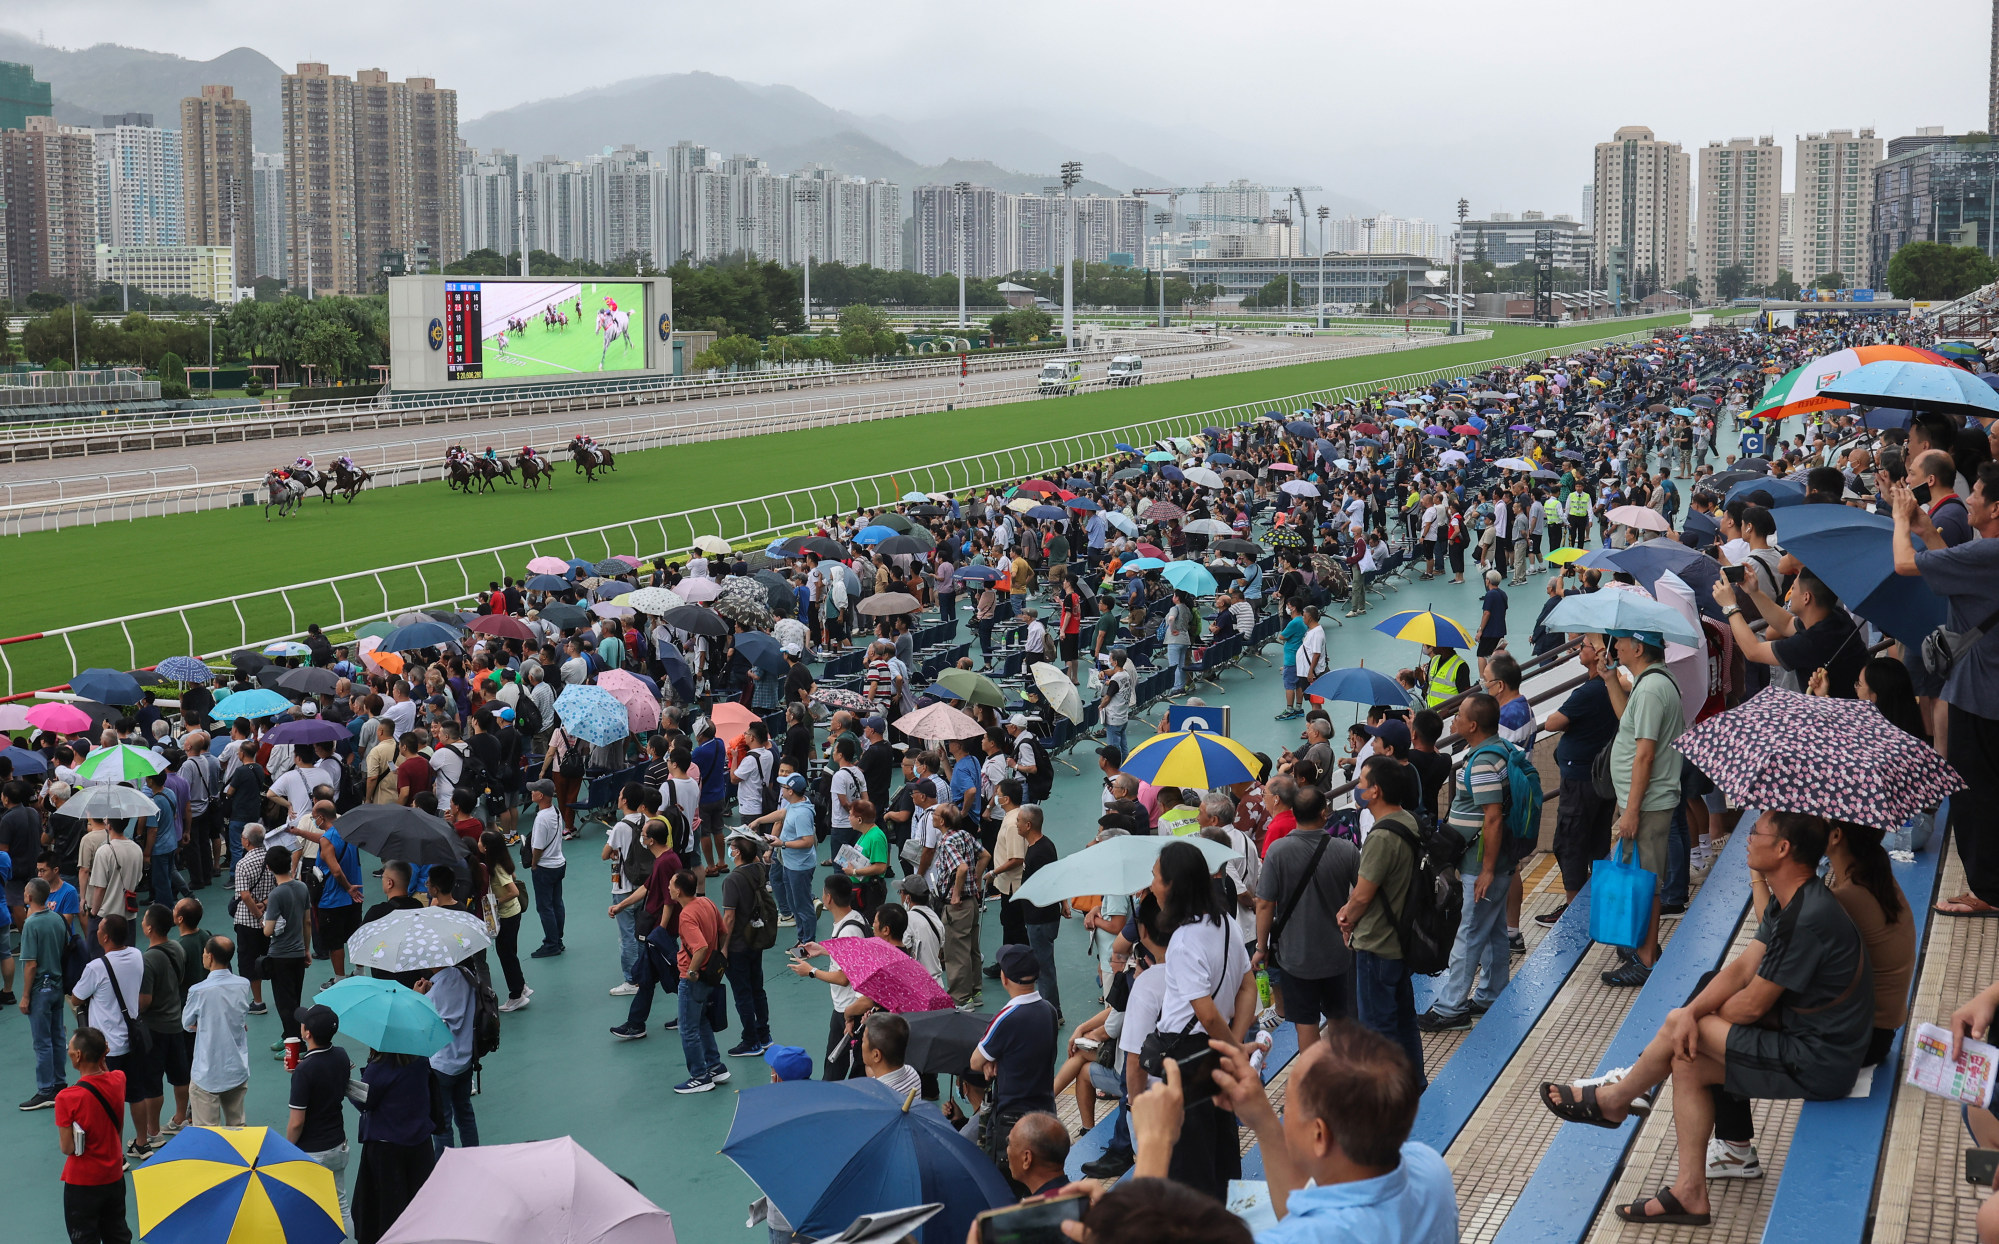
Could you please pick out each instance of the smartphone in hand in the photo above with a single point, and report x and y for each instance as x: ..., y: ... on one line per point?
x: 1032, y: 1222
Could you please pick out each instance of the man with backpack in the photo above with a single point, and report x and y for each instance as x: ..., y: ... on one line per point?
x: 749, y: 927
x: 1480, y: 813
x: 1392, y: 870
x: 1030, y: 759
x: 1307, y: 878
x: 454, y: 991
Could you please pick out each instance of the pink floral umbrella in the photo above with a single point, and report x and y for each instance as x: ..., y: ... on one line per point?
x: 640, y: 703
x: 886, y: 975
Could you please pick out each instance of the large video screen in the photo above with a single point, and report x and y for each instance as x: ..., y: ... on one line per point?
x: 498, y: 330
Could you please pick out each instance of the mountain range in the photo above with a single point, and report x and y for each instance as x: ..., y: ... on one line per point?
x: 781, y: 124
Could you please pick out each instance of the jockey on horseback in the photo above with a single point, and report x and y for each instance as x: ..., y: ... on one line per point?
x: 490, y: 456
x: 302, y: 464
x: 527, y: 452
x: 345, y: 463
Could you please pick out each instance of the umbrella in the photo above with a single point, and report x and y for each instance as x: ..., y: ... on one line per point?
x: 287, y: 648
x: 1208, y: 527
x: 253, y: 704
x: 1159, y: 455
x: 1117, y: 865
x: 1436, y: 429
x: 1300, y: 488
x: 1783, y: 492
x: 912, y: 543
x: 236, y: 1185
x: 1799, y: 392
x: 247, y: 661
x: 27, y: 763
x: 593, y: 715
x: 418, y: 939
x: 387, y: 1016
x: 654, y: 600
x: 1571, y: 455
x: 59, y: 718
x: 1452, y: 457
x: 698, y: 590
x: 978, y: 574
x: 1193, y: 758
x: 1604, y: 612
x: 610, y: 588
x: 1545, y: 434
x: 1083, y: 505
x: 610, y: 567
x: 1190, y: 577
x: 1839, y: 759
x: 380, y: 662
x: 1283, y: 538
x: 822, y: 546
x: 695, y: 620
x: 308, y: 730
x: 1280, y: 466
x: 1056, y: 688
x: 183, y: 669
x: 1204, y: 477
x: 1172, y: 472
x: 762, y: 651
x: 1300, y: 427
x: 1425, y: 627
x: 106, y: 802
x: 841, y: 697
x: 536, y: 1192
x: 1150, y: 550
x: 391, y: 831
x: 916, y: 497
x: 560, y: 616
x: 972, y: 688
x: 713, y: 544
x: 1960, y: 351
x: 941, y: 1041
x: 1162, y: 511
x: 117, y: 687
x: 1236, y: 545
x: 1911, y: 386
x: 1514, y: 464
x: 427, y: 634
x: 547, y: 565
x: 889, y: 605
x: 1853, y: 552
x: 577, y: 563
x: 641, y: 701
x: 122, y: 763
x: 268, y: 677
x: 500, y: 625
x: 544, y: 583
x: 885, y: 974
x: 1121, y: 521
x: 309, y: 680
x: 1130, y: 449
x: 869, y: 1147
x: 874, y: 535
x: 1359, y: 685
x: 1639, y: 517
x: 746, y: 601
x: 1138, y: 564
x: 935, y: 723
x: 731, y: 719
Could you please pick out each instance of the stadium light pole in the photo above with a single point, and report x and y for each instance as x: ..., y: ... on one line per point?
x: 1072, y: 172
x: 1162, y: 219
x: 521, y: 221
x: 958, y: 192
x: 1458, y: 268
x: 809, y: 194
x: 1324, y: 212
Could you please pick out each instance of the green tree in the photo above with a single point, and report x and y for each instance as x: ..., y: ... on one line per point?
x: 1689, y: 287
x: 484, y: 262
x: 66, y: 334
x: 865, y: 332
x: 1396, y: 292
x: 1731, y: 282
x: 1275, y: 293
x: 331, y: 348
x: 736, y: 350
x: 1021, y: 325
x: 1784, y: 287
x: 173, y: 376
x: 1933, y: 272
x: 1830, y: 280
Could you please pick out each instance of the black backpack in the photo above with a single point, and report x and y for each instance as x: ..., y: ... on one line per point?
x: 1043, y: 781
x: 575, y: 758
x: 761, y: 934
x: 472, y: 773
x: 527, y: 716
x: 485, y: 1015
x: 1427, y: 924
x: 636, y: 860
x: 677, y: 822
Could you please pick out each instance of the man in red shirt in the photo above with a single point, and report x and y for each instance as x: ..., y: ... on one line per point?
x: 699, y: 962
x: 93, y: 1169
x: 1072, y: 626
x: 497, y: 601
x: 1278, y: 794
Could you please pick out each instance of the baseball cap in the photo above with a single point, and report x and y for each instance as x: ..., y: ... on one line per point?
x: 320, y: 1021
x: 1020, y: 721
x: 789, y: 1062
x: 876, y: 723
x: 1392, y: 732
x: 794, y: 650
x: 506, y: 714
x: 1653, y: 638
x: 1018, y: 964
x: 308, y: 708
x: 793, y: 782
x: 541, y: 786
x: 745, y: 834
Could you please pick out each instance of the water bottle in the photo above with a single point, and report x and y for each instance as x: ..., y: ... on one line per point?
x: 1263, y: 988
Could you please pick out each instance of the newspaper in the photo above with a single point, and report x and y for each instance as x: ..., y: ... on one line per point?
x: 1968, y: 1078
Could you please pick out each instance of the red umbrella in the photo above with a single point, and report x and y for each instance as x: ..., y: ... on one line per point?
x: 1040, y: 485
x: 1465, y: 429
x: 502, y: 626
x: 1367, y: 429
x: 1162, y: 511
x: 1150, y: 550
x: 886, y: 975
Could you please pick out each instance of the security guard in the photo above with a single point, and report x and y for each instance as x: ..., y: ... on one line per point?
x: 1448, y: 675
x: 1579, y: 510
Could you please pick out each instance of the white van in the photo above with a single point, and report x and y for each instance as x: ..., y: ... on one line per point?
x: 1060, y: 376
x: 1126, y: 369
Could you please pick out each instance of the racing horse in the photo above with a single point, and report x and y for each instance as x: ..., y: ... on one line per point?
x: 459, y: 476
x: 283, y: 491
x: 590, y: 460
x: 534, y: 470
x: 345, y: 480
x: 492, y: 469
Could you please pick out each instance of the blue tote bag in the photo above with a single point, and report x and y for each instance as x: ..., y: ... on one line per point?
x: 1620, y: 897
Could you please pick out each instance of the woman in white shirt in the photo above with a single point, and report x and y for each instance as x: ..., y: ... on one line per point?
x: 1208, y: 989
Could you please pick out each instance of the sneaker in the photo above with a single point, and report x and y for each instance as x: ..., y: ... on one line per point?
x: 1727, y: 1161
x: 171, y: 1128
x: 787, y: 922
x: 1516, y: 941
x: 545, y: 952
x: 718, y: 1074
x: 1112, y: 1164
x: 515, y: 1004
x: 992, y: 973
x: 7, y: 998
x: 1632, y: 975
x: 40, y: 1101
x: 258, y: 1008
x: 623, y: 989
x: 1430, y: 1021
x: 1672, y: 909
x: 630, y: 1032
x: 670, y: 1025
x: 747, y: 1049
x: 1549, y: 919
x: 695, y: 1084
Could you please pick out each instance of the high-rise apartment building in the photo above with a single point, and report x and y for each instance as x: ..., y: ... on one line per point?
x: 1741, y: 186
x: 138, y: 182
x: 216, y: 162
x: 1786, y: 237
x: 1642, y: 201
x: 1833, y: 204
x: 994, y: 233
x: 48, y: 186
x: 489, y: 202
x: 267, y: 199
x: 957, y: 230
x: 1234, y: 208
x: 22, y: 96
x: 372, y: 175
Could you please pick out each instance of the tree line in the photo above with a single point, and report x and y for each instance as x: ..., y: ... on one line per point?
x: 341, y: 338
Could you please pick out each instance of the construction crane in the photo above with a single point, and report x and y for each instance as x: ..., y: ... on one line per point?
x: 1172, y: 195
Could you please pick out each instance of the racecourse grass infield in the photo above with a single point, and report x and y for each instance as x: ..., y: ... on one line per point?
x: 114, y: 570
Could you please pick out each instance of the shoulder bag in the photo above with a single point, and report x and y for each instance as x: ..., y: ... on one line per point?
x: 138, y: 1038
x: 1943, y: 648
x: 1163, y: 1047
x: 1310, y: 878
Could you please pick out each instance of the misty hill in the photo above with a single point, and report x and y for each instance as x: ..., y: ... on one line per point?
x: 108, y: 78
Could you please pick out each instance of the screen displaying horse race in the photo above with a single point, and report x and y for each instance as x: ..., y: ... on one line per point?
x: 497, y: 330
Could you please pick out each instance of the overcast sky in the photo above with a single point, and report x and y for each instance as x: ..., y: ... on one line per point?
x: 1403, y: 106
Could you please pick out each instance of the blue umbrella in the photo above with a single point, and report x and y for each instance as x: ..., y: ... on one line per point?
x: 870, y: 1148
x: 259, y: 702
x: 1646, y: 561
x: 1141, y: 563
x: 549, y: 583
x: 1921, y: 386
x: 106, y: 686
x: 1782, y: 492
x: 1190, y: 577
x: 1171, y: 472
x: 183, y: 669
x: 762, y: 651
x: 418, y: 635
x: 978, y: 574
x: 1046, y: 512
x: 592, y: 714
x: 679, y: 677
x: 1359, y: 686
x: 1222, y: 459
x: 386, y: 1016
x: 1699, y: 531
x: 27, y: 762
x: 1300, y: 427
x: 1074, y: 484
x: 1854, y: 553
x: 1082, y: 505
x: 874, y: 535
x: 1159, y: 455
x: 1130, y: 449
x: 577, y: 563
x: 1618, y: 610
x: 611, y: 590
x: 1888, y: 417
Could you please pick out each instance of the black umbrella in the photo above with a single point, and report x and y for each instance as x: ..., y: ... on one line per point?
x: 790, y: 546
x: 391, y: 831
x: 563, y: 617
x: 248, y: 661
x: 941, y: 1042
x: 904, y: 544
x: 309, y: 680
x: 696, y: 621
x: 928, y: 511
x: 268, y: 677
x: 893, y: 521
x: 762, y: 651
x: 1760, y: 466
x: 1239, y: 546
x: 823, y: 546
x: 782, y: 598
x: 1128, y: 473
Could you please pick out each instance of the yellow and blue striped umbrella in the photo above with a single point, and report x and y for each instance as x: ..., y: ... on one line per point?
x: 1193, y: 758
x: 1424, y: 627
x: 236, y: 1185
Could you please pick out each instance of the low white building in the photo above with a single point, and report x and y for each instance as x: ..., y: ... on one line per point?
x: 205, y: 272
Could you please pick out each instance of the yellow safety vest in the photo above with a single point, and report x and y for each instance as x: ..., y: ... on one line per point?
x: 1579, y: 504
x: 1443, y: 679
x: 1553, y: 509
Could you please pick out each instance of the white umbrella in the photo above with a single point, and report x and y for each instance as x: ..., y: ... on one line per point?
x: 1452, y: 457
x: 1120, y: 865
x: 1208, y: 527
x: 1121, y: 521
x: 1204, y: 477
x: 1514, y: 464
x: 1300, y: 488
x: 109, y: 803
x: 1639, y: 517
x: 1056, y: 688
x: 653, y: 600
x: 696, y: 590
x: 712, y: 544
x: 411, y: 941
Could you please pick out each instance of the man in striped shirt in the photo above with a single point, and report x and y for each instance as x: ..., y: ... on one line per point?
x: 1478, y: 815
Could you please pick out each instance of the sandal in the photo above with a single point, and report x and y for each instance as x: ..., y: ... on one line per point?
x: 1576, y: 1107
x: 1675, y: 1214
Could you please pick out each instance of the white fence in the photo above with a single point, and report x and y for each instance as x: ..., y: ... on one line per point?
x: 345, y: 601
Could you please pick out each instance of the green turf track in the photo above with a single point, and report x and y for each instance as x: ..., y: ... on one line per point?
x: 84, y: 574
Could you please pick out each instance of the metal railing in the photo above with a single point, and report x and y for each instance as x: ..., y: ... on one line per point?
x: 421, y: 460
x: 341, y: 602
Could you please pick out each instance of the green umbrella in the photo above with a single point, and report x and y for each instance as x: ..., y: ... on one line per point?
x: 122, y: 763
x: 375, y: 630
x: 971, y: 688
x: 892, y: 519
